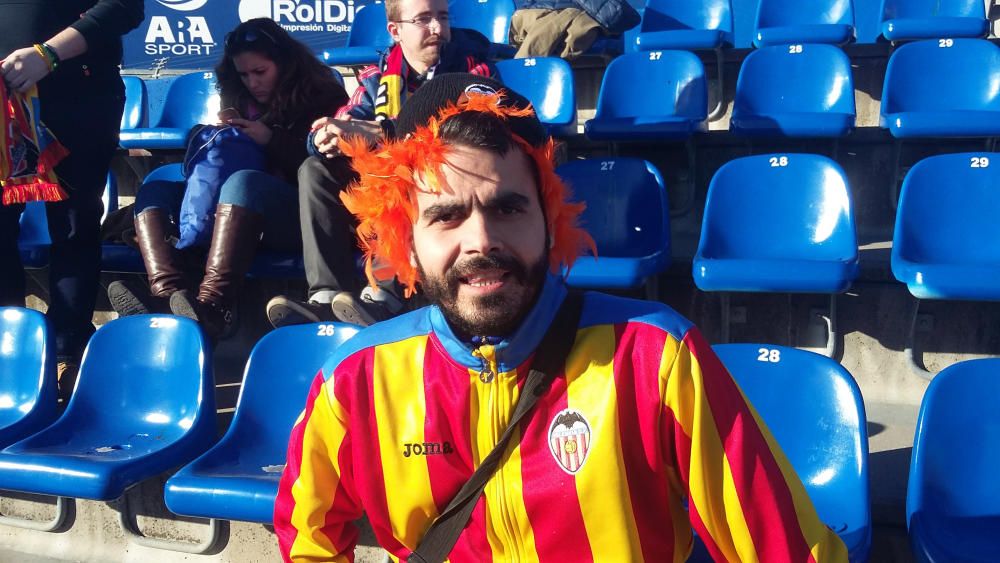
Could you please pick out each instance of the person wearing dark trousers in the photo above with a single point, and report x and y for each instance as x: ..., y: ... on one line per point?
x: 71, y: 50
x: 424, y: 46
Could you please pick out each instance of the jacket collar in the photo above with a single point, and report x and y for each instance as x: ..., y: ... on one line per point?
x: 515, y: 349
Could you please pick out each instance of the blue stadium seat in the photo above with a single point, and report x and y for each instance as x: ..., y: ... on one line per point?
x: 946, y: 244
x: 670, y: 101
x: 683, y: 24
x: 548, y: 83
x: 952, y: 505
x: 27, y: 374
x: 238, y: 478
x: 136, y: 103
x: 191, y: 99
x: 33, y: 241
x: 795, y: 91
x: 783, y: 22
x: 942, y: 88
x: 932, y: 19
x: 815, y: 411
x: 143, y: 403
x: 778, y: 223
x: 627, y: 215
x: 365, y: 42
x: 266, y: 264
x: 489, y: 17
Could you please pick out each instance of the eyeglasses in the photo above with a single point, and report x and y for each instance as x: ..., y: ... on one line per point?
x: 425, y: 20
x: 247, y: 36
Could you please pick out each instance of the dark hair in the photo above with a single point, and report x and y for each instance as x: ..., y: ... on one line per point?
x: 302, y: 78
x: 478, y: 130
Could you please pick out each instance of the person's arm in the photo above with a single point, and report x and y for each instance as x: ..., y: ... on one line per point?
x: 316, y: 503
x: 745, y: 500
x: 107, y: 20
x: 362, y: 103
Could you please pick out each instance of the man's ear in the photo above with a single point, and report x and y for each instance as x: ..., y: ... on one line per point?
x: 393, y: 29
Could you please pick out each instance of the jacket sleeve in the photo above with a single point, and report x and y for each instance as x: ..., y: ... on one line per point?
x: 316, y: 504
x: 108, y: 20
x: 362, y: 103
x: 744, y: 499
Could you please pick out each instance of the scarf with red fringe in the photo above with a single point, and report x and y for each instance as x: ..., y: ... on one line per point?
x: 29, y: 152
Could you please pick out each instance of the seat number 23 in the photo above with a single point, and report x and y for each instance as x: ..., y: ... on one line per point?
x: 771, y: 355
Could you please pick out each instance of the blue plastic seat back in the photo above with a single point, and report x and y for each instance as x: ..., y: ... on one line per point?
x: 34, y: 224
x: 815, y: 412
x: 793, y: 21
x: 369, y: 28
x: 548, y: 83
x: 952, y: 505
x: 931, y: 19
x: 136, y: 103
x: 673, y: 85
x: 948, y: 210
x: 820, y: 77
x: 145, y: 375
x: 627, y: 211
x: 281, y: 367
x: 687, y: 18
x: 964, y: 73
x: 191, y: 99
x: 173, y: 172
x: 27, y: 374
x: 779, y: 207
x: 489, y: 17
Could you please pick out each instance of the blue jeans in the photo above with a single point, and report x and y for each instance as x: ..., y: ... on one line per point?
x: 273, y: 198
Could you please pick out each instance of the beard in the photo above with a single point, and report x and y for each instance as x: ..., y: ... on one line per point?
x: 498, y: 314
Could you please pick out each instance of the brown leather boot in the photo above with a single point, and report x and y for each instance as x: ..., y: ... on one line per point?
x: 164, y: 266
x: 163, y: 261
x: 234, y: 243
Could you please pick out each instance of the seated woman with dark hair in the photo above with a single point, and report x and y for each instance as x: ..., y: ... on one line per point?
x: 278, y: 88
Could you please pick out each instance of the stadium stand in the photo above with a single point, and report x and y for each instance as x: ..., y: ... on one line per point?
x: 191, y: 99
x: 814, y: 409
x: 367, y: 39
x: 33, y: 240
x: 238, y: 478
x: 548, y: 83
x: 942, y: 88
x: 952, y: 508
x: 783, y: 22
x: 135, y: 115
x: 489, y: 17
x: 671, y: 104
x: 904, y: 20
x: 795, y: 91
x: 778, y: 223
x: 628, y: 216
x: 143, y: 403
x: 27, y: 374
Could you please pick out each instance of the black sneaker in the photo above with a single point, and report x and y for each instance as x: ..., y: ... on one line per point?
x: 365, y: 310
x: 284, y: 311
x: 130, y: 297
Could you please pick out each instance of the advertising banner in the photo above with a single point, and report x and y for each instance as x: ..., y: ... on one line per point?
x: 189, y: 34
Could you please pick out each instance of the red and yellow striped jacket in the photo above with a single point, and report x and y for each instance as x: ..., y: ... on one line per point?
x: 644, y: 418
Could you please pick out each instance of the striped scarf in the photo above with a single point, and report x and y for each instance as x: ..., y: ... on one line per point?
x: 29, y: 152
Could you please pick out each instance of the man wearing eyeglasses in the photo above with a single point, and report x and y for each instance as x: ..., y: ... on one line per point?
x: 425, y: 46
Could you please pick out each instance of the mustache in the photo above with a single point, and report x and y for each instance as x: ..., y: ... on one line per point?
x: 488, y: 262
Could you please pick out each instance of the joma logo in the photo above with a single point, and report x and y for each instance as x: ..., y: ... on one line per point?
x: 427, y: 448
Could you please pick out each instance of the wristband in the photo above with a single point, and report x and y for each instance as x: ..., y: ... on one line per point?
x: 53, y: 55
x: 41, y: 53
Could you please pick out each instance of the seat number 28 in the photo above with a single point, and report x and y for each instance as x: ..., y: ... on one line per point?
x: 771, y: 355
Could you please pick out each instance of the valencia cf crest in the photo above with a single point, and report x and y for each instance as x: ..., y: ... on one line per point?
x: 569, y: 440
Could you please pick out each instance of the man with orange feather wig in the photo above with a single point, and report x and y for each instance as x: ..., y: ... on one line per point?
x: 637, y: 417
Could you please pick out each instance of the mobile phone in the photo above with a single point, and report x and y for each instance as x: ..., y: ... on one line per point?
x: 229, y: 113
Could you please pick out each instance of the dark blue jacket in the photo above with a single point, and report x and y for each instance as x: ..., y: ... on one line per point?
x: 615, y: 16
